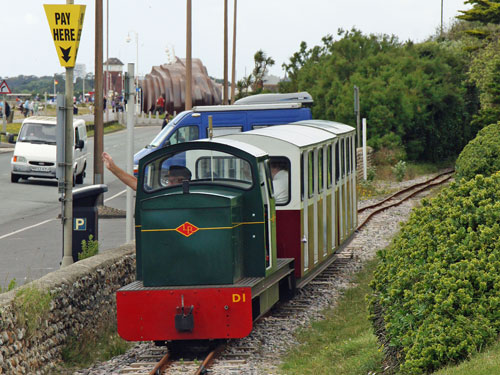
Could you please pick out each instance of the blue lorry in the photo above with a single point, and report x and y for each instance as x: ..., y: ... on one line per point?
x: 246, y: 114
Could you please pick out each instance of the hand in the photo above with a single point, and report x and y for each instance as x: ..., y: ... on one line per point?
x: 108, y: 160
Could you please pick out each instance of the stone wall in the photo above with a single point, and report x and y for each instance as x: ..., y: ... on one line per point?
x: 83, y: 294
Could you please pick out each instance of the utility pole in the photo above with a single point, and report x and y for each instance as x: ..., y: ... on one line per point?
x: 225, y: 54
x: 441, y: 19
x: 66, y: 49
x: 189, y: 66
x: 98, y: 100
x: 130, y: 92
x: 357, y: 113
x: 68, y: 170
x: 233, y: 73
x: 108, y: 77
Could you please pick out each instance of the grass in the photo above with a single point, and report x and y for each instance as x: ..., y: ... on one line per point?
x: 32, y: 306
x: 86, y: 349
x: 486, y: 363
x: 341, y: 344
x: 385, y: 173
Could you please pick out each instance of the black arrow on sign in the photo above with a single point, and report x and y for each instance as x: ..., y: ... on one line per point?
x: 65, y: 53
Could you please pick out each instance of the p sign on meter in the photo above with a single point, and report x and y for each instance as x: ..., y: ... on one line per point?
x: 79, y: 223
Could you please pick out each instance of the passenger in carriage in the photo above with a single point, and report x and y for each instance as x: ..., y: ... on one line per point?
x: 279, y: 173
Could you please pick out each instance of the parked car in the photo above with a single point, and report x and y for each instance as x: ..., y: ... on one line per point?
x: 35, y: 150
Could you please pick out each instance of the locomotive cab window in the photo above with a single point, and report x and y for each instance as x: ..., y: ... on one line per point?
x: 197, y: 166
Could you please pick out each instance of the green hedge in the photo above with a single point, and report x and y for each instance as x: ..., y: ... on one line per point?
x: 437, y: 287
x: 481, y: 155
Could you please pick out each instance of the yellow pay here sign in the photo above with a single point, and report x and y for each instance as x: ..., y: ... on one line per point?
x: 66, y: 22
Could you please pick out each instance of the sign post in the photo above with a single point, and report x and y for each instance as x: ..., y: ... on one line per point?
x: 66, y: 22
x: 4, y: 89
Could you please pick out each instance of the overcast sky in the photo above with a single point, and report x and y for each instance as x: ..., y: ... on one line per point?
x: 275, y: 26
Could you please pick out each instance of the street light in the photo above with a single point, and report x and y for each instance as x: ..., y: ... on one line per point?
x: 128, y: 40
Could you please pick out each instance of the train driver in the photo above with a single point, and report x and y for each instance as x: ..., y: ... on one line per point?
x: 279, y: 173
x: 176, y: 174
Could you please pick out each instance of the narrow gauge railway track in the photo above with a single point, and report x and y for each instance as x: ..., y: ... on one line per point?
x: 237, y: 357
x: 159, y: 362
x: 401, y: 196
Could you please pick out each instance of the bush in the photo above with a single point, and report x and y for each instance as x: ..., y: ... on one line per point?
x: 437, y: 288
x: 89, y: 248
x: 399, y: 170
x: 481, y: 155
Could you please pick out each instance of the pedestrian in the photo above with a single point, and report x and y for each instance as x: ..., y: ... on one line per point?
x: 7, y: 112
x: 26, y: 108
x: 165, y: 120
x: 160, y: 104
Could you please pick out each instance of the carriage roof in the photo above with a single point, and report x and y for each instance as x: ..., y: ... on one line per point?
x: 295, y: 135
x: 248, y: 148
x: 330, y: 126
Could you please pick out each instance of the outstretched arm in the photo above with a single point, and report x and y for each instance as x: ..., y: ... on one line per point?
x: 126, y: 178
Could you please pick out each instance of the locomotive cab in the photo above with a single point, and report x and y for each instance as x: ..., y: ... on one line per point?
x: 204, y: 229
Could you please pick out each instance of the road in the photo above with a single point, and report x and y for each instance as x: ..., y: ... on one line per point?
x: 31, y: 234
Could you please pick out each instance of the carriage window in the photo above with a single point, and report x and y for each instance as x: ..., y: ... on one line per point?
x: 184, y: 134
x: 320, y: 170
x: 342, y: 158
x: 354, y: 155
x: 348, y: 144
x: 311, y: 173
x: 302, y: 176
x: 337, y: 163
x: 197, y: 166
x: 280, y: 171
x: 329, y: 166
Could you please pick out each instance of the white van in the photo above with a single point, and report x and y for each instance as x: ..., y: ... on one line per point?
x: 35, y: 150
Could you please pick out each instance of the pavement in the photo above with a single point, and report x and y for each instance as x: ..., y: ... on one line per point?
x: 6, y: 147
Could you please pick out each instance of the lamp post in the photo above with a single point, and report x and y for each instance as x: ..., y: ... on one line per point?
x: 128, y: 39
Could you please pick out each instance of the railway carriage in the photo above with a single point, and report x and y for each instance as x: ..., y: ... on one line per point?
x: 344, y: 168
x: 216, y: 252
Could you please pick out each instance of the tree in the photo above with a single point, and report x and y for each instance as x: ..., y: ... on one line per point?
x: 415, y: 96
x: 255, y: 79
x: 260, y: 69
x: 484, y: 12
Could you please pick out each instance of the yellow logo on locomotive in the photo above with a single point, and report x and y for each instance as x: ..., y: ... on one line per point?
x: 187, y: 229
